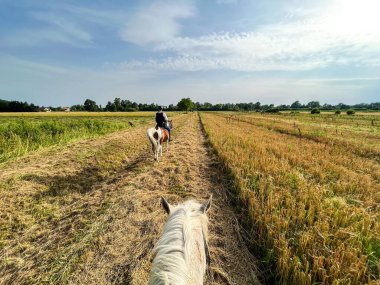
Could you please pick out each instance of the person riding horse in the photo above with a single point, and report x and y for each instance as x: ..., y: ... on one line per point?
x: 162, y: 121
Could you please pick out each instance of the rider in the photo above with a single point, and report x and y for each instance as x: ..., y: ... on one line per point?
x: 161, y: 120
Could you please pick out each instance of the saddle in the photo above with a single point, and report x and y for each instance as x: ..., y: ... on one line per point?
x: 165, y: 134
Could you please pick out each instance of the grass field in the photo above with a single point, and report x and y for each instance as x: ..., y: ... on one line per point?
x: 297, y: 194
x: 89, y: 212
x: 311, y: 188
x: 21, y: 133
x: 79, y: 114
x: 359, y: 133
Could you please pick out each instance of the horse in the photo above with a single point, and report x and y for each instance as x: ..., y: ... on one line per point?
x: 182, y: 252
x: 157, y: 137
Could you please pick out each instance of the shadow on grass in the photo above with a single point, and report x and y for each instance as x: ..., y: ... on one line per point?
x: 86, y: 179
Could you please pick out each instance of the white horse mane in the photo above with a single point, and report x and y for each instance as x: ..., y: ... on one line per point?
x: 182, y: 250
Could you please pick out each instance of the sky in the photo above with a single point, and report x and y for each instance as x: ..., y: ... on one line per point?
x: 61, y: 52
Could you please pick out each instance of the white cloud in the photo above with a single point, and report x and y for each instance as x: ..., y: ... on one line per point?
x: 308, y: 38
x: 302, y: 43
x: 158, y: 22
x: 237, y: 63
x: 52, y: 85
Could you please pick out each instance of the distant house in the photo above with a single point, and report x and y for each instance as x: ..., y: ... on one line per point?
x: 44, y: 109
x: 65, y: 109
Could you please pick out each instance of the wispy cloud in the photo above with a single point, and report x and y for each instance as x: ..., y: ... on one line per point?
x: 30, y: 66
x: 327, y: 50
x: 301, y: 43
x: 62, y: 23
x: 53, y: 85
x: 226, y: 1
x: 67, y: 29
x: 41, y: 36
x: 157, y: 22
x: 49, y: 84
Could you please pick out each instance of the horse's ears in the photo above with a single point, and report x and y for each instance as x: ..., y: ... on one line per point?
x: 165, y: 204
x: 206, y: 206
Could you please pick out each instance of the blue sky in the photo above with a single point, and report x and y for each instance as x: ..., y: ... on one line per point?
x: 272, y: 51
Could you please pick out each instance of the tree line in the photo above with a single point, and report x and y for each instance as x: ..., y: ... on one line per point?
x: 16, y: 106
x: 185, y: 104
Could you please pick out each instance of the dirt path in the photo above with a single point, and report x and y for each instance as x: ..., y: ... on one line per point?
x: 117, y: 241
x: 187, y: 170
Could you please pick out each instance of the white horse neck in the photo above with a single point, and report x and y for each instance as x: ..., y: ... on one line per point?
x: 180, y: 252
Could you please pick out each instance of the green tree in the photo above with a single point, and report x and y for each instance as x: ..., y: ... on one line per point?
x: 313, y: 104
x: 77, y: 107
x: 315, y: 111
x: 185, y: 104
x: 296, y: 105
x: 90, y: 105
x: 117, y: 103
x: 257, y: 106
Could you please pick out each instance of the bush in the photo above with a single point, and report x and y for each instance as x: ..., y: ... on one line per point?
x: 274, y: 110
x: 315, y: 111
x: 350, y: 112
x: 337, y: 112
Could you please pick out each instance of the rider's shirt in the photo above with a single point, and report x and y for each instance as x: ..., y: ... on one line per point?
x: 161, y: 118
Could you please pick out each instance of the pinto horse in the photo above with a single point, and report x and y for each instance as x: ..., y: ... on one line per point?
x: 182, y: 254
x: 157, y: 137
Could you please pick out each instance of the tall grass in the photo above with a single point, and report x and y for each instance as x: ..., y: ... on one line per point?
x: 21, y: 135
x: 360, y: 134
x: 78, y: 114
x: 313, y: 207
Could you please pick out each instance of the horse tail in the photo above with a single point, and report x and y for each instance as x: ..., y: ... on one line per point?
x: 150, y: 134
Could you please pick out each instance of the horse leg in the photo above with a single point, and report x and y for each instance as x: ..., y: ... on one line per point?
x: 158, y: 150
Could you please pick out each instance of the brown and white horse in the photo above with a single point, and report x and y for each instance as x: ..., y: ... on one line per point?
x: 182, y: 254
x: 157, y: 137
